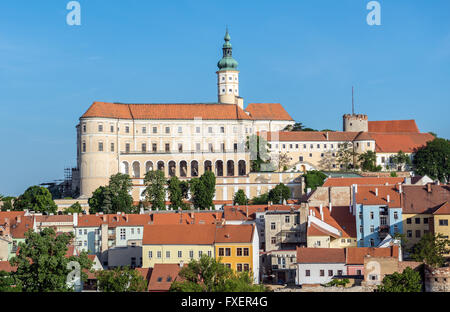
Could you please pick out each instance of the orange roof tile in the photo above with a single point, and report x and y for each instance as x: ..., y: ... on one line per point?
x: 211, y: 111
x: 268, y: 111
x: 18, y: 229
x: 362, y: 181
x: 395, y: 142
x: 235, y: 233
x: 340, y: 217
x: 162, y: 276
x: 393, y: 126
x: 417, y: 198
x: 248, y: 212
x: 54, y: 218
x: 113, y: 220
x: 320, y: 255
x: 443, y: 209
x: 179, y: 234
x: 366, y: 195
x: 186, y: 217
x: 355, y: 255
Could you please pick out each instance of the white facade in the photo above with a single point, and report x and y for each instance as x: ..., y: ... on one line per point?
x: 315, y: 272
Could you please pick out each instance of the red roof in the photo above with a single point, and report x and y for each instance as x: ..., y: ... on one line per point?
x: 443, y: 209
x: 268, y: 111
x: 248, y: 212
x: 393, y: 126
x: 186, y: 217
x: 367, y: 195
x: 320, y: 255
x: 113, y: 220
x: 162, y: 276
x: 405, y: 142
x: 166, y: 111
x: 424, y: 198
x: 362, y: 181
x: 340, y: 218
x: 355, y: 255
x: 235, y: 233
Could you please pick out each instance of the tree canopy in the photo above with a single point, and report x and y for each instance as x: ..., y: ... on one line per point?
x: 121, y: 279
x: 42, y: 263
x: 431, y: 249
x: 175, y: 193
x: 279, y: 193
x: 314, y: 179
x: 113, y: 198
x: 433, y: 160
x: 209, y: 275
x: 155, y: 191
x: 203, y: 190
x: 240, y: 198
x: 407, y: 281
x: 75, y: 208
x: 368, y: 161
x: 36, y: 198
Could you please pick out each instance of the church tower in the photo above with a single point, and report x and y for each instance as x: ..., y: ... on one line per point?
x: 228, y: 76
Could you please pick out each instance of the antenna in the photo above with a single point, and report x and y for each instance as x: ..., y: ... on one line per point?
x: 353, y: 103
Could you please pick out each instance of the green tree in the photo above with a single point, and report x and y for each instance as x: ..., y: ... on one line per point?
x: 121, y: 279
x: 209, y: 275
x: 8, y: 203
x: 431, y: 249
x: 407, y: 281
x: 279, y: 193
x: 42, y: 264
x: 259, y: 154
x: 7, y: 283
x: 75, y: 208
x: 203, y: 190
x: 368, y: 161
x: 433, y: 160
x: 155, y: 191
x: 175, y: 193
x: 36, y: 198
x: 401, y: 159
x: 314, y: 179
x: 262, y: 199
x: 113, y: 198
x: 240, y: 198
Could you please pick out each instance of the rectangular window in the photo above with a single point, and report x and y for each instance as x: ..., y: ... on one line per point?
x: 150, y: 254
x: 167, y: 130
x: 144, y: 147
x: 272, y: 226
x: 330, y: 272
x: 395, y: 215
x: 100, y: 146
x: 246, y: 252
x: 339, y: 273
x: 168, y: 254
x: 322, y: 272
x: 200, y: 253
x: 425, y: 220
x: 122, y: 234
x: 239, y: 252
x: 358, y: 272
x: 180, y: 254
x: 408, y: 221
x: 127, y: 129
x: 197, y: 129
x: 443, y: 222
x: 417, y: 220
x: 221, y: 252
x: 154, y: 147
x: 132, y: 231
x: 84, y: 147
x: 167, y: 147
x: 144, y: 130
x: 84, y: 127
x: 180, y: 148
x: 371, y: 215
x: 112, y: 147
x: 227, y: 252
x: 417, y: 233
x: 210, y: 130
x: 180, y: 129
x: 159, y: 254
x: 127, y: 147
x: 287, y: 219
x: 307, y: 273
x: 222, y: 147
x: 155, y: 129
x: 222, y: 129
x: 209, y: 253
x: 372, y: 229
x: 211, y: 149
x: 100, y: 128
x: 409, y: 233
x: 235, y: 146
x: 197, y: 147
x: 273, y: 240
x: 191, y: 254
x: 246, y: 267
x: 239, y: 267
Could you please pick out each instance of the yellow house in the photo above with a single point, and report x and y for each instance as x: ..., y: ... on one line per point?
x: 425, y: 209
x: 176, y: 243
x: 237, y: 246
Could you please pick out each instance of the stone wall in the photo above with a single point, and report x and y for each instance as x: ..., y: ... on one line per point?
x: 437, y: 279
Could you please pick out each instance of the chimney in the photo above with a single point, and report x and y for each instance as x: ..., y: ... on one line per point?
x: 75, y: 219
x: 355, y: 188
x: 376, y: 191
x: 126, y: 218
x: 388, y: 198
x: 400, y: 189
x: 321, y: 212
x: 429, y: 187
x: 327, y: 135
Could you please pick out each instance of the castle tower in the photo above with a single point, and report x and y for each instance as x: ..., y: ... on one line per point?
x: 355, y: 123
x: 228, y: 76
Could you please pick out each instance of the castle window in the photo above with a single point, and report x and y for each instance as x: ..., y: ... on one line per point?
x: 154, y: 147
x: 167, y: 147
x: 223, y: 90
x: 197, y: 129
x: 84, y: 147
x: 144, y: 130
x: 209, y: 129
x: 180, y: 148
x: 197, y: 147
x: 112, y: 128
x: 100, y: 128
x: 180, y: 129
x: 155, y: 129
x: 100, y: 146
x: 167, y: 130
x: 127, y: 129
x: 112, y: 147
x: 318, y: 145
x: 223, y: 78
x: 222, y: 129
x: 144, y: 147
x: 230, y: 90
x: 230, y: 78
x: 311, y: 146
x: 84, y: 127
x: 127, y: 147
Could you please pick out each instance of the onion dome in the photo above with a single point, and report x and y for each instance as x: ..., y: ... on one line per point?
x: 227, y: 62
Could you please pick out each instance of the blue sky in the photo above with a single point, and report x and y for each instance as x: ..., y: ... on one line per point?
x: 305, y: 54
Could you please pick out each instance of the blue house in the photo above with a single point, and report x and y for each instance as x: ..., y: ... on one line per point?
x: 378, y: 212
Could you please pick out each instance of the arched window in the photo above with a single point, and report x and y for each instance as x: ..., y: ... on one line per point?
x: 208, y: 165
x: 242, y: 168
x: 161, y: 166
x: 148, y: 166
x: 124, y: 168
x: 136, y: 169
x: 183, y: 168
x: 172, y: 168
x: 194, y: 168
x: 230, y: 168
x: 219, y: 168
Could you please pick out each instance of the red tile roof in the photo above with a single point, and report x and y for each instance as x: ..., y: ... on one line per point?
x: 443, y: 209
x: 320, y: 255
x: 340, y: 218
x: 54, y: 218
x: 395, y: 142
x: 355, y: 255
x: 362, y: 181
x: 393, y: 126
x: 235, y: 233
x: 179, y: 234
x: 166, y: 111
x: 417, y: 198
x: 5, y: 266
x: 113, y: 220
x: 162, y: 276
x: 18, y: 230
x: 187, y: 217
x: 239, y: 213
x: 268, y: 111
x: 366, y: 195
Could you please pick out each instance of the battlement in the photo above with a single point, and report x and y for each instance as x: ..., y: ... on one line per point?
x: 355, y: 123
